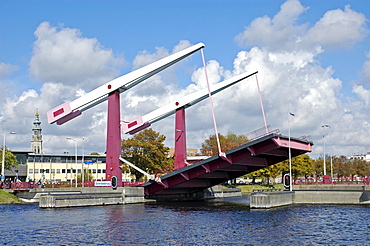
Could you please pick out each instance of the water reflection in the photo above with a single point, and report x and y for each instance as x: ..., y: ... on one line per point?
x: 218, y: 222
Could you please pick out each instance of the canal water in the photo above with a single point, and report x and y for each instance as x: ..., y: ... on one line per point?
x: 217, y: 222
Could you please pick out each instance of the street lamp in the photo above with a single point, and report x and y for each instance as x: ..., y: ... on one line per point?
x: 323, y: 136
x: 83, y: 157
x: 3, y: 161
x: 290, y: 156
x: 75, y: 156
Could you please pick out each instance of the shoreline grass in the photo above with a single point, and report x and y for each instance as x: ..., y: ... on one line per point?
x: 8, y: 198
x: 249, y: 188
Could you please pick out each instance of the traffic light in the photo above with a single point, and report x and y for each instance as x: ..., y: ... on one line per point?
x: 114, y: 182
x: 286, y: 181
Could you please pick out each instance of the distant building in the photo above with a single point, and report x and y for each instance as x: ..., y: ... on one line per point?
x: 64, y: 167
x: 192, y: 155
x: 36, y: 141
x: 365, y: 157
x: 35, y: 165
x: 56, y: 168
x: 189, y: 152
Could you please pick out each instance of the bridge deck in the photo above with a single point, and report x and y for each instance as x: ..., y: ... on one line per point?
x: 244, y: 159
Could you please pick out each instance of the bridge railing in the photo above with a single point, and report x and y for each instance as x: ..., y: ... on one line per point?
x: 335, y: 181
x: 32, y: 185
x: 261, y: 132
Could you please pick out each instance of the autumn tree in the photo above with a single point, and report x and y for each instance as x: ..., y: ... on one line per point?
x: 10, y: 159
x: 231, y: 140
x: 344, y: 167
x: 147, y: 151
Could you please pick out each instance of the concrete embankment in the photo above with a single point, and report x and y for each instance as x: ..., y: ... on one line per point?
x: 311, y: 194
x: 97, y: 196
x: 331, y: 194
x: 82, y: 196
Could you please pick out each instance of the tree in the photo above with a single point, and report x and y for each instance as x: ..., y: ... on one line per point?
x: 10, y: 159
x: 341, y: 166
x: 147, y: 151
x: 301, y: 166
x: 231, y: 140
x: 87, y: 176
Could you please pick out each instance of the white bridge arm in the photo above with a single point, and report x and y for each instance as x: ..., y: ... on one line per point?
x: 69, y: 110
x: 137, y: 168
x: 142, y: 122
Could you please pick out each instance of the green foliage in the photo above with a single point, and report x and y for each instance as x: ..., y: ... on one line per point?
x: 304, y: 166
x: 94, y: 153
x: 231, y: 140
x: 10, y: 159
x: 301, y: 166
x: 147, y: 151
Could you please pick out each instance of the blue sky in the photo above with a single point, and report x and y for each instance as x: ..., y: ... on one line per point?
x: 292, y: 44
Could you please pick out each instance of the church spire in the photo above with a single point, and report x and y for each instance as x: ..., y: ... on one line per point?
x: 36, y: 142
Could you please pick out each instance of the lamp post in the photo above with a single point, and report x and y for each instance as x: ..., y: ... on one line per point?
x: 323, y: 136
x: 290, y: 156
x: 75, y: 156
x: 331, y: 155
x: 3, y: 161
x: 82, y: 162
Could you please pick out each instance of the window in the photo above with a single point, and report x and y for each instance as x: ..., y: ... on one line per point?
x: 36, y: 171
x: 47, y: 170
x: 52, y: 170
x: 58, y: 170
x: 30, y: 170
x: 63, y: 170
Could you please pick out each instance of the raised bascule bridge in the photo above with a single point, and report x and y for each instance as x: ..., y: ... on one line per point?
x: 246, y: 158
x: 186, y: 179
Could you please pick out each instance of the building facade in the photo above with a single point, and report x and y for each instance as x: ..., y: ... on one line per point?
x: 35, y: 165
x: 65, y: 168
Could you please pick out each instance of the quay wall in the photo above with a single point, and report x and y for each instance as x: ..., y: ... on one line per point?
x: 210, y: 193
x: 359, y: 195
x: 330, y: 197
x: 80, y: 200
x: 270, y: 199
x: 82, y: 196
x: 98, y: 196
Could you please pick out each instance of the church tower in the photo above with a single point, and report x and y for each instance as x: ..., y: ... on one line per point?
x: 36, y: 142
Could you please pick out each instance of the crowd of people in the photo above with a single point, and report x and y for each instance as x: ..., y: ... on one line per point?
x: 7, y: 183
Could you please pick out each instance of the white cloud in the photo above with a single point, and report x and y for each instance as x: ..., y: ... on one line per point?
x: 366, y: 69
x: 6, y: 69
x: 278, y: 33
x: 63, y: 55
x: 292, y: 77
x: 145, y: 57
x: 338, y: 28
x: 362, y: 93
